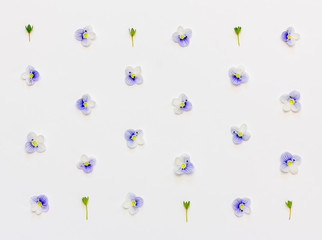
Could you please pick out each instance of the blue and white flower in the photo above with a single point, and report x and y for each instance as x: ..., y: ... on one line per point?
x: 240, y: 134
x: 39, y: 204
x: 134, y: 137
x: 237, y: 75
x: 85, y: 104
x: 85, y: 35
x: 30, y: 76
x: 241, y: 206
x: 86, y: 163
x: 35, y: 143
x: 183, y: 165
x: 290, y: 163
x: 291, y: 101
x: 133, y: 76
x: 182, y: 36
x: 289, y: 36
x: 181, y: 104
x: 133, y: 203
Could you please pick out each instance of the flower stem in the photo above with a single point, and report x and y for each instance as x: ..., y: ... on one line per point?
x: 289, y: 218
x: 186, y: 215
x: 238, y: 39
x: 132, y: 41
x: 86, y: 213
x: 29, y: 36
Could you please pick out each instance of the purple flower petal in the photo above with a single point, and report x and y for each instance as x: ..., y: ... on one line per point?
x: 139, y: 202
x: 295, y: 95
x: 237, y: 139
x: 29, y: 147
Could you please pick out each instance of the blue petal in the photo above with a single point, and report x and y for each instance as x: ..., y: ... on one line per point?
x: 187, y: 106
x: 43, y: 199
x: 79, y: 34
x: 184, y: 42
x: 129, y: 81
x: 35, y: 75
x: 80, y: 104
x: 237, y: 139
x: 295, y: 95
x: 139, y: 202
x: 286, y: 156
x: 128, y: 134
x: 87, y: 169
x: 284, y: 36
x: 29, y: 147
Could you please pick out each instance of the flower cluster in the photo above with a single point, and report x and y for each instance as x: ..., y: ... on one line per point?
x: 291, y: 101
x: 30, y: 76
x: 290, y: 163
x: 181, y: 104
x: 240, y: 134
x: 86, y: 164
x: 39, y: 204
x: 133, y: 203
x: 241, y: 206
x: 183, y: 165
x: 35, y: 143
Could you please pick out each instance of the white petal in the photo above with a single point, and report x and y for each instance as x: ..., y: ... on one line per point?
x: 129, y: 70
x: 176, y: 102
x: 41, y: 148
x: 180, y: 30
x: 287, y: 107
x: 296, y: 36
x: 290, y: 30
x: 34, y: 206
x: 31, y: 136
x: 127, y: 204
x: 243, y: 128
x: 133, y: 210
x: 139, y: 140
x: 84, y: 158
x: 137, y: 70
x: 246, y: 210
x: 178, y: 110
x: 86, y: 42
x: 40, y: 139
x: 91, y: 35
x: 91, y: 104
x: 179, y: 161
x: 25, y: 76
x: 284, y: 98
x: 293, y: 169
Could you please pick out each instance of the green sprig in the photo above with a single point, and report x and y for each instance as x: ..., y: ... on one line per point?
x: 289, y: 205
x: 29, y: 29
x: 132, y: 33
x: 85, y: 201
x: 237, y: 31
x: 186, y: 206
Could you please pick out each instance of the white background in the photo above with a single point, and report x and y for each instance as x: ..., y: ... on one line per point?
x: 224, y: 171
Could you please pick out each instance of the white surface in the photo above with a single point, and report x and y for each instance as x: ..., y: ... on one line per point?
x: 223, y: 171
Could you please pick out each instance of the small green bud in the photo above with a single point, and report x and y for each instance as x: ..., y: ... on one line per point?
x: 85, y: 200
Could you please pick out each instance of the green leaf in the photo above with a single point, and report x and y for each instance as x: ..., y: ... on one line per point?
x: 237, y: 30
x: 85, y: 200
x: 132, y: 31
x: 289, y: 204
x: 186, y: 204
x: 29, y: 28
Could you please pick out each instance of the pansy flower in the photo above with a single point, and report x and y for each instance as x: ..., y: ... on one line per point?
x: 183, y: 165
x: 39, y: 204
x: 291, y: 101
x: 241, y: 206
x: 237, y: 75
x: 86, y: 163
x: 240, y: 134
x: 290, y: 163
x: 85, y: 104
x: 133, y: 203
x: 182, y: 36
x: 181, y: 104
x: 35, y: 143
x: 30, y: 76
x: 133, y: 76
x: 85, y: 35
x: 289, y: 36
x: 134, y: 137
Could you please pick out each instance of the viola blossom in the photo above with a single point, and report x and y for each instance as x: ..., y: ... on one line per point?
x: 86, y: 163
x: 240, y: 134
x: 290, y: 163
x: 237, y: 75
x: 291, y: 101
x: 134, y: 137
x: 30, y: 76
x: 183, y: 165
x: 182, y: 36
x: 133, y: 203
x: 39, y: 204
x: 133, y: 76
x: 181, y: 104
x: 241, y: 206
x: 35, y: 143
x: 289, y: 36
x: 85, y: 104
x: 85, y: 35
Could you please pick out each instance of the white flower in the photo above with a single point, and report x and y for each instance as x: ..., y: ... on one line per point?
x: 181, y: 104
x: 291, y: 101
x: 183, y: 165
x: 35, y: 143
x: 133, y: 203
x: 240, y: 134
x: 85, y: 35
x: 289, y: 36
x: 39, y: 204
x: 30, y: 76
x: 134, y: 137
x: 85, y: 104
x: 133, y: 76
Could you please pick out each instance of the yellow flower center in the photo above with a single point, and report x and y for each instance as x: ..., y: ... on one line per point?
x: 240, y: 134
x: 133, y: 203
x: 39, y: 203
x: 34, y: 143
x: 183, y: 165
x: 86, y: 163
x: 85, y: 104
x: 85, y: 35
x: 291, y: 101
x: 237, y: 75
x: 182, y: 104
x: 182, y: 36
x: 132, y: 75
x: 133, y: 137
x: 241, y: 206
x: 289, y: 36
x: 31, y: 75
x: 289, y: 162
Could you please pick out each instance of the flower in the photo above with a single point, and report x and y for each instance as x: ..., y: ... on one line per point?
x: 241, y: 206
x: 181, y: 104
x: 133, y: 76
x: 240, y: 134
x: 86, y: 164
x: 85, y: 104
x: 134, y: 137
x: 133, y: 203
x: 85, y: 35
x: 183, y: 165
x: 30, y: 75
x: 35, y: 143
x: 289, y: 36
x: 291, y: 101
x: 182, y: 36
x: 237, y: 75
x: 39, y: 204
x: 290, y: 163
